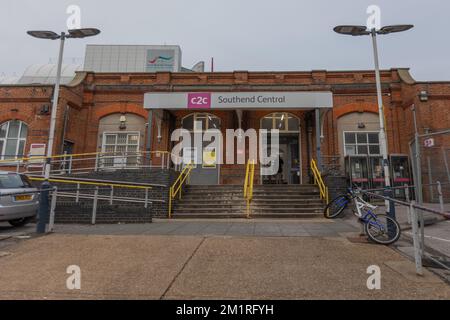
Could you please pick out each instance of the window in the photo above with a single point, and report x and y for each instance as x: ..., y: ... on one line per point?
x: 203, y: 121
x: 14, y: 181
x: 121, y: 149
x: 282, y: 121
x: 361, y: 143
x: 13, y: 138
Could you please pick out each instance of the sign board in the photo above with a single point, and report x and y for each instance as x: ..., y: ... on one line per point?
x: 160, y: 60
x: 429, y: 143
x: 37, y: 150
x: 209, y: 158
x: 132, y: 58
x: 238, y: 100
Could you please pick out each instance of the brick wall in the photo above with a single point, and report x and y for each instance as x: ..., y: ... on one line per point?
x: 97, y: 95
x: 68, y: 211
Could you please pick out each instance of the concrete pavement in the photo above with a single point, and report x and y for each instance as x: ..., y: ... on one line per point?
x: 150, y: 266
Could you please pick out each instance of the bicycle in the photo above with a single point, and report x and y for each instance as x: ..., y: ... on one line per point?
x: 380, y: 228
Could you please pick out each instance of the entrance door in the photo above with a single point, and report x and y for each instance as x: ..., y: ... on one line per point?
x: 207, y: 168
x: 289, y: 128
x: 289, y: 161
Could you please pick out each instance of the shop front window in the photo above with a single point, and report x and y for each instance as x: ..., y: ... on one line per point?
x: 13, y: 138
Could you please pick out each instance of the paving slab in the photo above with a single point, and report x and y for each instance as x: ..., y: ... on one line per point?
x: 130, y: 267
x: 295, y: 268
x: 196, y: 267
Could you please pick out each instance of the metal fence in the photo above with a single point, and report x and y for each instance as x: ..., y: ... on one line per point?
x: 430, y: 162
x: 100, y: 191
x: 415, y: 214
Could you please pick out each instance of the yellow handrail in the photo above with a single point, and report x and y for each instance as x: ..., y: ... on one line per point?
x: 176, y: 188
x: 248, y: 184
x: 102, y: 184
x: 78, y: 155
x: 318, y: 180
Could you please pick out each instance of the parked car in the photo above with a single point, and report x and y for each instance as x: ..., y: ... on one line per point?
x: 16, y: 205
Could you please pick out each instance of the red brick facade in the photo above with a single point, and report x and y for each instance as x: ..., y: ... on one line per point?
x: 93, y: 96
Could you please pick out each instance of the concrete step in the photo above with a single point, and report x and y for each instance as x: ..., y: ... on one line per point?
x: 243, y: 208
x: 218, y: 215
x: 242, y: 215
x: 220, y: 202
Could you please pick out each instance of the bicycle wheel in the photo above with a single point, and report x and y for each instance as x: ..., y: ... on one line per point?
x: 336, y: 207
x: 382, y: 229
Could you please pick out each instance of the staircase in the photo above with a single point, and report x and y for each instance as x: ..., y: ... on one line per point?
x: 269, y: 201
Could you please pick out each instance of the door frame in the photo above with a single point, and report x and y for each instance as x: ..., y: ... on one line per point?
x: 300, y: 155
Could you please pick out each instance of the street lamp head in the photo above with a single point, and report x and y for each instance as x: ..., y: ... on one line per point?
x: 83, y: 33
x: 395, y: 28
x: 41, y: 34
x: 352, y: 30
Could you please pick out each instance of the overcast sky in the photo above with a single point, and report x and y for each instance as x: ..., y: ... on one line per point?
x: 252, y: 35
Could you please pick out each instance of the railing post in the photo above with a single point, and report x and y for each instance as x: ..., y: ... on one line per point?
x: 63, y: 169
x: 146, y: 198
x: 162, y: 160
x: 94, y: 206
x: 408, y: 211
x: 96, y: 162
x: 441, y: 198
x: 17, y: 166
x: 170, y: 202
x: 168, y: 161
x: 52, y: 209
x: 77, y: 198
x: 70, y: 164
x: 416, y: 239
x: 111, y: 195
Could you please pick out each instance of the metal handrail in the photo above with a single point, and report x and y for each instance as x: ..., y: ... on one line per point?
x: 417, y: 222
x: 318, y: 180
x: 77, y: 155
x: 176, y: 189
x: 248, y: 185
x: 104, y: 184
x: 93, y: 161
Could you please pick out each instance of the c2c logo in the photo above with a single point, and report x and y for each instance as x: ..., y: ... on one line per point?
x: 199, y: 100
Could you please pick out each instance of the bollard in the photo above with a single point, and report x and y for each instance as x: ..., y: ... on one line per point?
x: 94, y: 206
x: 44, y: 208
x: 416, y: 239
x: 52, y: 209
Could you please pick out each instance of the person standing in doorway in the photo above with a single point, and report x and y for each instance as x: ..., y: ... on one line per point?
x: 280, y: 169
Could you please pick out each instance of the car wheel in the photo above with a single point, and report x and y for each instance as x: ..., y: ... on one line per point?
x: 19, y: 222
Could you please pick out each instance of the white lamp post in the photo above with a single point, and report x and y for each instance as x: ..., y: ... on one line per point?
x: 361, y: 31
x: 50, y: 35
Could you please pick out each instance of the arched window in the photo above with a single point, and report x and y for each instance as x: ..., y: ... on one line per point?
x: 200, y: 121
x: 282, y: 121
x: 13, y: 137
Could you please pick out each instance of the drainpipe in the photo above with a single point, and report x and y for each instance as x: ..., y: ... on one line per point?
x: 318, y: 140
x: 308, y: 143
x: 149, y: 136
x: 64, y: 130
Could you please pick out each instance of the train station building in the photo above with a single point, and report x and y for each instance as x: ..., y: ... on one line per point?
x: 131, y: 99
